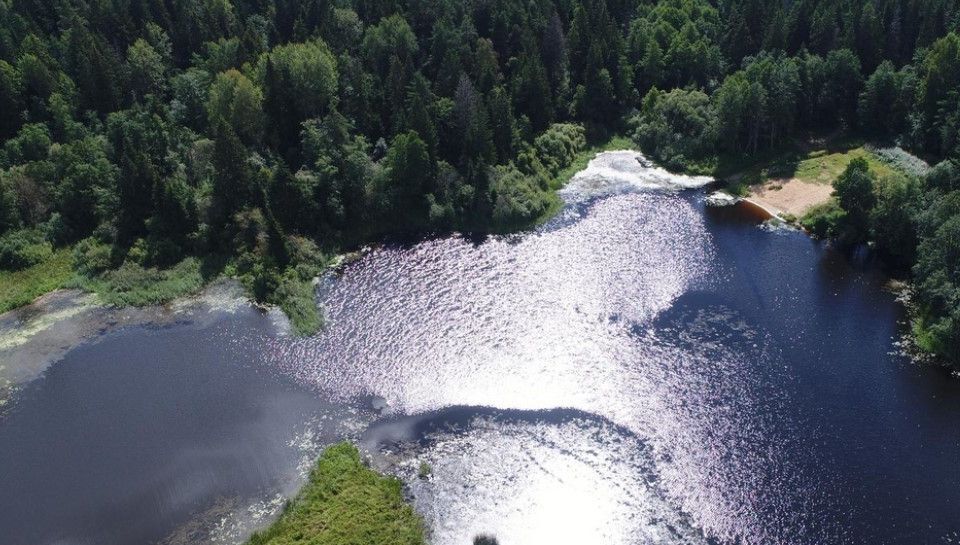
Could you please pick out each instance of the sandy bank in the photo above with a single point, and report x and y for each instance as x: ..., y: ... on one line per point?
x: 794, y: 197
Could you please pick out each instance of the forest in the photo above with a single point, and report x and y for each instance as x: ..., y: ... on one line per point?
x: 150, y: 145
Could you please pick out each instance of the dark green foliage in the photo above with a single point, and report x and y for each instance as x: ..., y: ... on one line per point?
x: 886, y: 101
x: 938, y: 96
x: 132, y: 284
x: 937, y: 273
x: 855, y: 194
x: 407, y: 180
x: 234, y: 100
x: 521, y: 191
x: 31, y: 144
x: 299, y: 82
x: 893, y: 219
x: 675, y: 126
x: 11, y: 101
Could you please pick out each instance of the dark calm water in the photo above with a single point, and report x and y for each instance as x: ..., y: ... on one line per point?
x: 642, y: 370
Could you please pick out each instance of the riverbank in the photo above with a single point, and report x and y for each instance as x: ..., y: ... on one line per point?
x: 345, y: 503
x: 133, y: 285
x: 563, y: 177
x: 20, y: 288
x: 795, y: 182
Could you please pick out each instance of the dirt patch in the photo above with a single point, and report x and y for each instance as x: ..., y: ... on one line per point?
x: 793, y: 196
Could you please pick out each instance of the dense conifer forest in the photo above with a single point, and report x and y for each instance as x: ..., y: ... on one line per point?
x: 162, y: 142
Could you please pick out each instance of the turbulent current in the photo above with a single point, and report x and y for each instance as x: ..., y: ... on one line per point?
x: 643, y: 369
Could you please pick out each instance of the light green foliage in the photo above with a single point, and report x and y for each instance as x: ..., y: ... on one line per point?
x: 24, y: 248
x: 145, y: 65
x: 674, y: 43
x: 300, y: 82
x: 520, y: 198
x: 18, y: 288
x: 310, y: 71
x: 235, y: 100
x: 133, y: 284
x: 31, y: 144
x: 819, y: 166
x: 296, y: 299
x: 824, y: 166
x: 559, y: 145
x: 523, y: 191
x: 345, y: 503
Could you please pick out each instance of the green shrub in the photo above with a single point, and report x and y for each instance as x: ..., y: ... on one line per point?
x: 23, y: 248
x: 305, y: 257
x: 824, y: 220
x: 91, y: 257
x: 519, y: 199
x: 559, y: 145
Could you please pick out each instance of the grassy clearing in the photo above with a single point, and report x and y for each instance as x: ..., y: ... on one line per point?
x: 19, y: 288
x: 824, y: 167
x: 819, y: 166
x: 134, y: 285
x: 345, y: 503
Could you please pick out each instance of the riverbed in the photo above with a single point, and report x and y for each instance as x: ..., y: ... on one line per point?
x: 641, y: 369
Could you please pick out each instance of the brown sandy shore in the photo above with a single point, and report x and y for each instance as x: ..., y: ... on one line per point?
x: 794, y: 197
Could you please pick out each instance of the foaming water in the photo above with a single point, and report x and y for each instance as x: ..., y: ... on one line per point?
x: 641, y: 370
x: 614, y: 172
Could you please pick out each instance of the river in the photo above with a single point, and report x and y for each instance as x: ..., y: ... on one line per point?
x: 642, y: 369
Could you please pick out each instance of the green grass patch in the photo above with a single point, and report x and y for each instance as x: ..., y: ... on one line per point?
x: 819, y: 166
x: 19, y: 288
x: 345, y: 503
x: 823, y: 167
x: 134, y: 285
